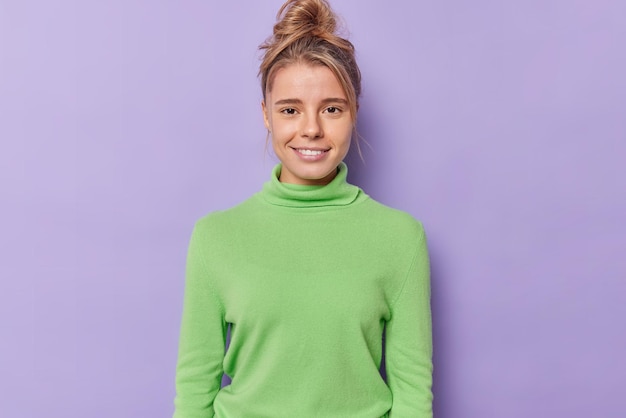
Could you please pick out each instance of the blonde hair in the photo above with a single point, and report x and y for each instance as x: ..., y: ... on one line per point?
x: 305, y: 32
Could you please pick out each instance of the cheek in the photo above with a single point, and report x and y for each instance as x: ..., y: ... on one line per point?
x: 278, y: 136
x: 345, y: 133
x: 282, y: 130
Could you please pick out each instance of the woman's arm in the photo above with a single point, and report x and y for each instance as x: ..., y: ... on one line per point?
x: 202, y: 339
x: 408, y: 341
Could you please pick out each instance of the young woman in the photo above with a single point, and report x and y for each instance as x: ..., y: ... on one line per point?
x: 310, y: 272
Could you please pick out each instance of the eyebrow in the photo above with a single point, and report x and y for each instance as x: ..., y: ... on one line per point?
x: 298, y: 101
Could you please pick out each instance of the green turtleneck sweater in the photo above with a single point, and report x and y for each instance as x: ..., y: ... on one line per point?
x: 308, y: 278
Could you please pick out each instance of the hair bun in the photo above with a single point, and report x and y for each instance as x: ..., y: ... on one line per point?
x: 300, y: 18
x: 305, y: 32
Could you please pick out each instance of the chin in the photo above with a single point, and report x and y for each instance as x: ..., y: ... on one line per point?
x: 310, y: 174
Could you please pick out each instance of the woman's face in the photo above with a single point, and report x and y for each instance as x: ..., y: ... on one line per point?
x: 308, y: 116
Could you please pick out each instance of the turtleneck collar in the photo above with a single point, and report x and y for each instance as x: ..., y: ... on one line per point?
x: 336, y: 193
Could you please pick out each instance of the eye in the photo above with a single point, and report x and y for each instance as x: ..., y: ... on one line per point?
x: 288, y: 111
x: 333, y: 110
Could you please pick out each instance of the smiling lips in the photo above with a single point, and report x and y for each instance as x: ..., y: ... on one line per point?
x: 311, y: 154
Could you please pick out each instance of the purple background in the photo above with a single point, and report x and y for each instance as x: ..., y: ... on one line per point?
x: 501, y: 125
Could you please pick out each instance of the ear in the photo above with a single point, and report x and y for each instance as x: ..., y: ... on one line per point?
x: 265, y: 116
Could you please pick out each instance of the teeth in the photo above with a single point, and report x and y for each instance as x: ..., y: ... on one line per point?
x: 309, y: 152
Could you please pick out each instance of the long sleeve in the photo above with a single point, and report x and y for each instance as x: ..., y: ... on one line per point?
x: 202, y: 339
x: 409, y: 341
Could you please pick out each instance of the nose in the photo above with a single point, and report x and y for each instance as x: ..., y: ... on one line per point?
x: 311, y: 127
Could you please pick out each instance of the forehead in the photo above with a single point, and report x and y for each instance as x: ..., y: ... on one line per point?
x: 306, y: 82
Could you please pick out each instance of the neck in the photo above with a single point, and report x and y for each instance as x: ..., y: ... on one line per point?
x: 336, y: 192
x: 290, y: 179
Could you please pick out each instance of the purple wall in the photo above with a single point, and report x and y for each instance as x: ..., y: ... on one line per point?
x: 501, y: 125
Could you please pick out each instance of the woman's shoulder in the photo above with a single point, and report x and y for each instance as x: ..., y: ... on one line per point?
x: 395, y: 221
x: 225, y: 218
x: 391, y: 215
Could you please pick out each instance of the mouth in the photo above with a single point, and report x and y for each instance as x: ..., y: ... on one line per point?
x: 310, y: 152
